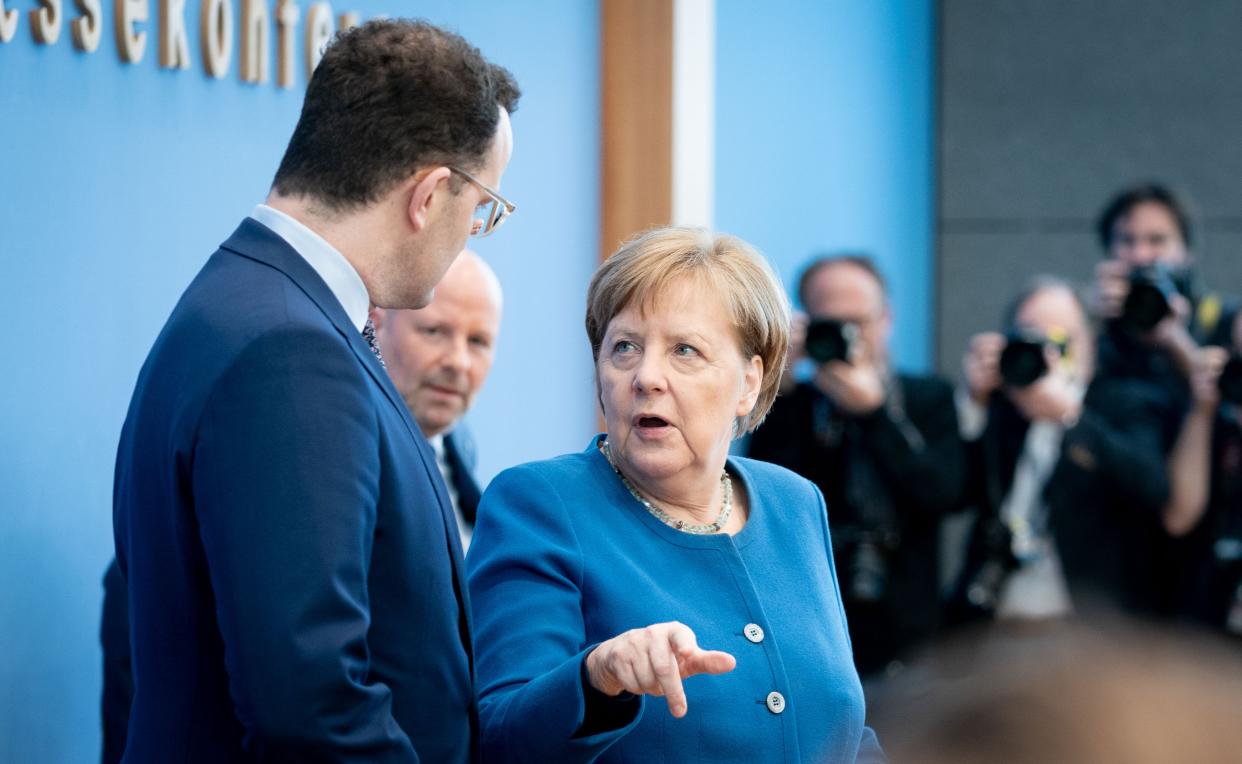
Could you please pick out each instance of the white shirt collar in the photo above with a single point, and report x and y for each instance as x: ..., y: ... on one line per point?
x: 437, y: 444
x: 328, y: 262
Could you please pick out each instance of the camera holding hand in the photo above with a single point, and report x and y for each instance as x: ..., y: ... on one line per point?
x: 848, y: 368
x: 1153, y: 291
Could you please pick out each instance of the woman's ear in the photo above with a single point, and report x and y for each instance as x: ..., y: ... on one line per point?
x: 423, y: 195
x: 752, y: 381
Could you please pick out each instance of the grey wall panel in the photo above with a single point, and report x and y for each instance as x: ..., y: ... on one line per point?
x: 984, y: 271
x: 1046, y: 107
x: 1220, y: 259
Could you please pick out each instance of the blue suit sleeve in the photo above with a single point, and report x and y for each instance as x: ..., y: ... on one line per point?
x: 286, y: 479
x: 525, y: 577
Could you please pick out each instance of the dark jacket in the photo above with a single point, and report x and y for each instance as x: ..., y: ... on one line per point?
x: 1211, y: 554
x: 1126, y: 359
x: 1104, y: 498
x: 888, y: 479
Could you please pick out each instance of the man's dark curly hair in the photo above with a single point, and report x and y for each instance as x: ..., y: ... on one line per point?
x: 387, y: 98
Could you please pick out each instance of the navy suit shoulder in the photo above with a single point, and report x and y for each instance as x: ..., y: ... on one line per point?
x: 285, y: 535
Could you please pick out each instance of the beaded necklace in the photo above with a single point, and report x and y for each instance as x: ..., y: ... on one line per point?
x: 721, y: 520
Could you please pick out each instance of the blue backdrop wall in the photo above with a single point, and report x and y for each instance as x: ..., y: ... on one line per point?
x: 824, y: 141
x: 116, y: 183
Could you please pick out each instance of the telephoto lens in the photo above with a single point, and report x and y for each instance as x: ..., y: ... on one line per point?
x: 1150, y: 299
x: 1230, y: 381
x: 828, y: 340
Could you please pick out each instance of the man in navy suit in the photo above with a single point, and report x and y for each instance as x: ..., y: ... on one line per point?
x: 438, y: 358
x: 291, y: 559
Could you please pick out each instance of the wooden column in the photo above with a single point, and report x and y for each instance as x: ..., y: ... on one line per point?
x: 637, y: 118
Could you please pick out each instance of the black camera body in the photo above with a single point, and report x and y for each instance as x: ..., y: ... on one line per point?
x: 863, y: 561
x: 990, y: 561
x: 1023, y: 362
x: 829, y: 340
x: 1150, y: 300
x: 1230, y: 381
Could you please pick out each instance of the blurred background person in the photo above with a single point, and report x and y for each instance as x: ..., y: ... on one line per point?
x: 1066, y: 470
x: 883, y: 448
x: 438, y: 358
x: 1116, y: 692
x: 1153, y: 309
x: 654, y: 557
x: 1205, y: 506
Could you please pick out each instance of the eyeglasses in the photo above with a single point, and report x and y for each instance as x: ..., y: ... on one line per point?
x: 489, y: 217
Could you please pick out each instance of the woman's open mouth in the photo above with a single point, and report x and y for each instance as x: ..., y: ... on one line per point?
x: 651, y: 425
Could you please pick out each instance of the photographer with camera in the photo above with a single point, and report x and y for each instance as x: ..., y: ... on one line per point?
x: 1205, y: 505
x: 1154, y: 312
x: 882, y: 447
x: 1066, y: 470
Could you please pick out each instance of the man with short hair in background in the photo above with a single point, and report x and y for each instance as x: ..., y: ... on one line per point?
x: 883, y: 448
x: 295, y: 579
x: 438, y: 358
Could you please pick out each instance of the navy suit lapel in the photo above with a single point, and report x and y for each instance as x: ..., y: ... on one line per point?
x: 256, y: 241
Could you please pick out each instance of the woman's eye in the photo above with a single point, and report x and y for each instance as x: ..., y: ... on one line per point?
x: 684, y: 350
x: 623, y: 346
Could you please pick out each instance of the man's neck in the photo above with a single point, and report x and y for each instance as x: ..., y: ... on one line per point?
x: 352, y: 234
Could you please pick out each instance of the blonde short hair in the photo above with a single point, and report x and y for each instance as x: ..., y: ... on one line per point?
x: 732, y: 269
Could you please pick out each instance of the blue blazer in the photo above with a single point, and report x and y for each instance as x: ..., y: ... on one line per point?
x: 293, y: 567
x: 564, y: 558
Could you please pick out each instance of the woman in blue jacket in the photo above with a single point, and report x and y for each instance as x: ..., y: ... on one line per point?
x: 652, y: 563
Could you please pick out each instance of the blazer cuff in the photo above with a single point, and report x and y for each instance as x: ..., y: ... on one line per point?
x: 549, y: 722
x: 603, y: 713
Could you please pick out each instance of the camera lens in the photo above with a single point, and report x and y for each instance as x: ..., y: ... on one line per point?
x: 1022, y: 362
x: 1148, y: 303
x: 828, y: 340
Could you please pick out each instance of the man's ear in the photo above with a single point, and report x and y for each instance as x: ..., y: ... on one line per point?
x: 422, y: 195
